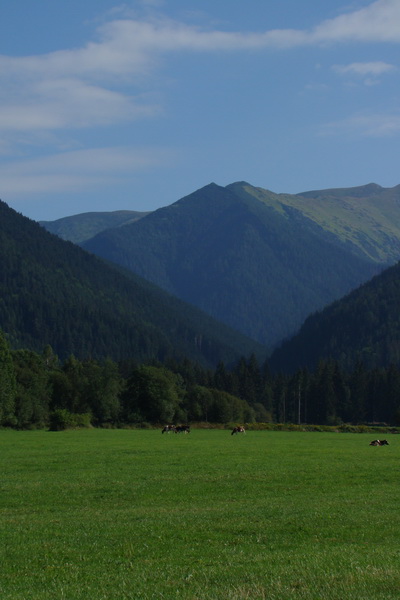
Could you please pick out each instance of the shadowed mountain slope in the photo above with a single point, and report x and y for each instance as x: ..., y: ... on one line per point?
x: 363, y: 327
x: 53, y: 292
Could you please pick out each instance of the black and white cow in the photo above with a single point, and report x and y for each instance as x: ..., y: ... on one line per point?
x: 379, y: 443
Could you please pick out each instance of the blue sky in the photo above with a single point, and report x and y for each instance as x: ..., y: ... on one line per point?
x: 107, y: 106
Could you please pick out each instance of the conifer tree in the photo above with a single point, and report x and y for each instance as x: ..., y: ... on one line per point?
x: 7, y: 384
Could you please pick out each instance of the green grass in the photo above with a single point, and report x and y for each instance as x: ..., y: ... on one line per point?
x: 116, y: 515
x: 366, y: 222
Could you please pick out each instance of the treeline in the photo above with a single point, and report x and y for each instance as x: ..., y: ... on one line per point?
x: 37, y: 390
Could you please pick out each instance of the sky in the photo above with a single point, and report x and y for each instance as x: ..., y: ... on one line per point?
x: 131, y: 106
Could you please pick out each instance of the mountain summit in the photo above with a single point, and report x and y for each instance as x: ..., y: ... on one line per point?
x: 257, y: 261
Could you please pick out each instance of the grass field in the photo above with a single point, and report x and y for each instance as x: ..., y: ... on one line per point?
x: 119, y: 514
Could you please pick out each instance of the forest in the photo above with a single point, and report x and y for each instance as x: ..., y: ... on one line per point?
x: 53, y: 293
x: 363, y: 327
x: 37, y: 390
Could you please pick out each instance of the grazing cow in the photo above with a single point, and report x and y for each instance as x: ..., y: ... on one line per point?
x: 182, y: 429
x: 238, y: 430
x: 379, y: 443
x: 169, y: 428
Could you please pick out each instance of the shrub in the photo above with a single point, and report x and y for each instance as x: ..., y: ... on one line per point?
x: 62, y: 419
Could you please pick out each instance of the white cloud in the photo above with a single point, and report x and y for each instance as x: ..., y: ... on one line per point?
x: 368, y: 72
x: 87, y: 87
x: 128, y: 47
x: 78, y: 88
x: 79, y: 169
x: 367, y: 68
x: 59, y: 103
x: 377, y: 22
x: 365, y: 125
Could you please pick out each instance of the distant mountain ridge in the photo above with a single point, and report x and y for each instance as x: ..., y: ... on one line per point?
x: 79, y: 228
x: 366, y: 218
x: 244, y: 255
x: 369, y: 190
x: 53, y: 292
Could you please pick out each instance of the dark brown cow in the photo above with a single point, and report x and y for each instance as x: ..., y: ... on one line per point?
x: 182, y: 429
x: 238, y: 429
x: 169, y: 428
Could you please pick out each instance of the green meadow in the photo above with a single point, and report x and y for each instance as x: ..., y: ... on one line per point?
x: 133, y: 514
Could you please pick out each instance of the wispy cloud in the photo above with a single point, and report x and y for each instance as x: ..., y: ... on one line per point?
x: 80, y: 169
x: 368, y: 72
x: 367, y: 68
x: 78, y: 88
x: 365, y: 125
x: 377, y: 22
x: 60, y: 103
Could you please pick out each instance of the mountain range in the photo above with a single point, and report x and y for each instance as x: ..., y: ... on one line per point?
x: 54, y: 293
x: 298, y: 272
x: 365, y: 218
x: 257, y: 261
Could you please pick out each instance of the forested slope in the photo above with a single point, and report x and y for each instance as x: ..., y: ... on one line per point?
x: 363, y: 327
x: 53, y: 292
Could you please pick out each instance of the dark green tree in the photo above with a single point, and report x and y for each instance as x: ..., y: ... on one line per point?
x: 33, y: 389
x: 391, y: 395
x: 280, y: 393
x: 223, y: 378
x: 152, y: 394
x: 198, y: 402
x: 7, y: 384
x: 249, y: 386
x: 50, y: 359
x: 321, y: 403
x: 100, y: 393
x: 75, y: 399
x: 342, y: 393
x: 358, y: 382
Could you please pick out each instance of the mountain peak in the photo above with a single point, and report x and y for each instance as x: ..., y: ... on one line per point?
x: 239, y: 184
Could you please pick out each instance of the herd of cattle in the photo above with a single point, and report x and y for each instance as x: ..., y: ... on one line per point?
x: 176, y: 429
x: 239, y: 429
x: 186, y: 429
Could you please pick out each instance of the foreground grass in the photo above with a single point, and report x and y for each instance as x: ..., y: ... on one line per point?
x: 117, y: 515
